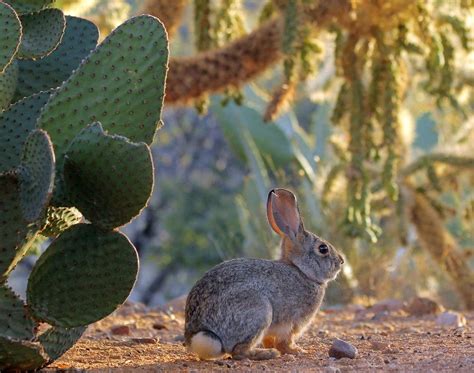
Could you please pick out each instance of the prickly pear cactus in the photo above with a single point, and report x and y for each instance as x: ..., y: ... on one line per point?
x: 76, y: 122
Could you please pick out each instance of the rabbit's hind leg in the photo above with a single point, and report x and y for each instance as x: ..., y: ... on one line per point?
x: 257, y: 324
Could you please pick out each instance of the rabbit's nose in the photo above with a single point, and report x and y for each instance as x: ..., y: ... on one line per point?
x: 341, y: 259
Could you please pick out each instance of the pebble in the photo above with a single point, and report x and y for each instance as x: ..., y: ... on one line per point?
x: 451, y: 319
x: 420, y: 306
x: 159, y: 326
x: 120, y: 330
x: 340, y: 349
x: 388, y: 305
x: 145, y: 340
x: 332, y: 370
x: 379, y: 346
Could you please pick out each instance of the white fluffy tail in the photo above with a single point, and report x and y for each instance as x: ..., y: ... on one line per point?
x: 206, y: 345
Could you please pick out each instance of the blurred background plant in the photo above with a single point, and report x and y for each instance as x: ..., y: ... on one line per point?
x: 362, y: 107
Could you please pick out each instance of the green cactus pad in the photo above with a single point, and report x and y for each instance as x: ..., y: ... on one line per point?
x: 14, y: 321
x: 83, y: 276
x: 8, y: 83
x: 121, y: 84
x: 10, y: 35
x: 36, y: 174
x: 20, y: 355
x: 80, y: 37
x: 29, y: 6
x: 108, y: 178
x: 56, y: 341
x: 15, y: 233
x: 42, y: 33
x: 58, y: 219
x: 16, y: 123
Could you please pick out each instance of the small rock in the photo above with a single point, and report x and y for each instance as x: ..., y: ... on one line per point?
x: 179, y: 338
x: 145, y: 340
x: 332, y: 370
x: 389, y: 305
x: 289, y: 357
x: 420, y: 306
x: 380, y: 346
x: 451, y: 319
x: 381, y: 316
x: 340, y: 349
x: 120, y: 330
x: 159, y: 326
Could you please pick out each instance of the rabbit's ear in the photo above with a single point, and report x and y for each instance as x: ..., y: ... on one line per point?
x: 283, y: 214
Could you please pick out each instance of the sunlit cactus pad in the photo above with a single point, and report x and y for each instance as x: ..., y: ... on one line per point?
x: 108, y: 178
x: 14, y: 321
x: 42, y: 33
x: 15, y: 232
x: 79, y: 39
x: 29, y: 6
x: 84, y: 275
x: 8, y: 81
x: 58, y: 219
x: 36, y: 175
x: 56, y: 341
x: 16, y: 123
x: 10, y: 35
x: 120, y: 84
x: 20, y: 355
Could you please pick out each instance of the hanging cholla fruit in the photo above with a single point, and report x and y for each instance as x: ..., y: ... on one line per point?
x: 280, y: 99
x: 75, y: 282
x: 42, y: 32
x: 202, y: 24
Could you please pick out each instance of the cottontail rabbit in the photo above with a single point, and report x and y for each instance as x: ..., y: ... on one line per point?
x: 243, y: 302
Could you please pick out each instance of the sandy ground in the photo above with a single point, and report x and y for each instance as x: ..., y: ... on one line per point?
x: 395, y: 341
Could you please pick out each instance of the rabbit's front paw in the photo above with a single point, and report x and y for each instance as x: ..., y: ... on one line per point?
x: 289, y: 348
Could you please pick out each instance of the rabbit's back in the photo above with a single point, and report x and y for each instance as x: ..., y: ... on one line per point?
x: 255, y: 287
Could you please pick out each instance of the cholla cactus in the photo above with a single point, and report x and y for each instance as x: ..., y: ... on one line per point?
x: 75, y: 164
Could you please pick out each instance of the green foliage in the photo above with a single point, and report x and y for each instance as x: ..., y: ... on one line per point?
x: 79, y: 39
x: 109, y: 177
x: 91, y: 285
x: 107, y: 196
x: 42, y: 32
x: 10, y: 37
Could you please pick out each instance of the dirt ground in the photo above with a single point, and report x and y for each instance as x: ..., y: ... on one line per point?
x: 151, y: 340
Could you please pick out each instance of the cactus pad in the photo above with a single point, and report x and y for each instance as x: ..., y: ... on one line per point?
x: 80, y: 37
x: 84, y: 275
x: 14, y: 321
x: 108, y: 178
x: 16, y: 123
x: 10, y: 35
x: 29, y: 6
x: 8, y: 83
x: 42, y: 33
x: 15, y: 234
x: 37, y: 174
x: 20, y: 355
x: 58, y: 219
x: 120, y: 84
x: 56, y: 341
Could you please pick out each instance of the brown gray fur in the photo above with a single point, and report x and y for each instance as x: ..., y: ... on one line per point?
x: 243, y: 302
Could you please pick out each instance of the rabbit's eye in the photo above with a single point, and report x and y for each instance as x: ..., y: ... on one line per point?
x: 323, y: 249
